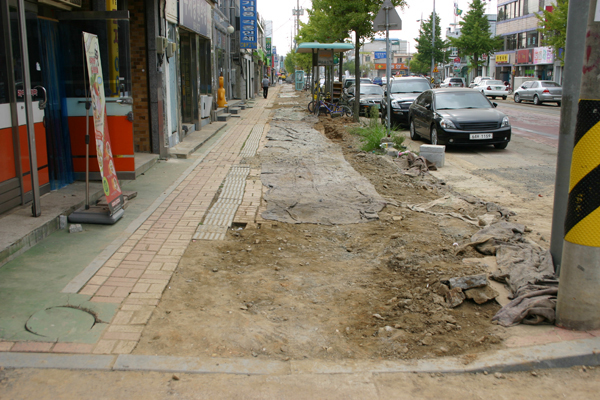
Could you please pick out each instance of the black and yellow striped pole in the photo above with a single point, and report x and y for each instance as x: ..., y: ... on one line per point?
x: 578, y: 304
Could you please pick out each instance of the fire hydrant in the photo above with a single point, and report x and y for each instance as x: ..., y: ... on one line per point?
x: 221, y: 94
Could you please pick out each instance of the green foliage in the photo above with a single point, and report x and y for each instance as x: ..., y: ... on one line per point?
x: 398, y: 141
x: 554, y: 27
x: 417, y: 67
x: 423, y: 57
x: 372, y: 133
x: 475, y: 39
x: 348, y: 66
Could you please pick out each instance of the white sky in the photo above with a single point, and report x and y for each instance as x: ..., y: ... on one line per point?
x: 280, y: 12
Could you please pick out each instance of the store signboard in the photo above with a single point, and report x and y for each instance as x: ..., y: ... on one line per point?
x: 110, y: 183
x: 248, y: 30
x: 392, y: 66
x: 502, y: 58
x: 325, y: 57
x: 196, y: 15
x: 525, y: 56
x: 543, y: 55
x: 380, y: 54
x: 268, y: 46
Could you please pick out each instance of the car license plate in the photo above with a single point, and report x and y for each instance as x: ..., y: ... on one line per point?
x: 479, y: 136
x: 498, y: 87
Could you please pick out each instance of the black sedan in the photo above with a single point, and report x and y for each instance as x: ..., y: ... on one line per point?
x: 458, y: 116
x: 403, y: 91
x: 370, y: 96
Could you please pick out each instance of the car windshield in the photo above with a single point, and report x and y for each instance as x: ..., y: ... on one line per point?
x: 371, y: 90
x: 459, y: 100
x: 348, y: 83
x: 409, y: 86
x: 493, y: 83
x: 550, y: 84
x: 456, y: 80
x: 365, y: 81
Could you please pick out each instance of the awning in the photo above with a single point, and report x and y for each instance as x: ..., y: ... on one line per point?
x: 310, y: 47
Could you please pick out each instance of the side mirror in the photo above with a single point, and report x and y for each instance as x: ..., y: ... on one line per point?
x: 428, y: 106
x: 495, y: 105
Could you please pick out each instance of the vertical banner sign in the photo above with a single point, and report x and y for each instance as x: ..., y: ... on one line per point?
x: 110, y: 184
x: 113, y: 50
x: 268, y: 45
x: 248, y: 31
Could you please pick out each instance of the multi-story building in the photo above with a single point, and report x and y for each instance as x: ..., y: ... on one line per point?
x: 522, y: 55
x: 374, y: 54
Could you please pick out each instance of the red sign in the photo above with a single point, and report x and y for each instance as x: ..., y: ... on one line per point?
x: 525, y: 56
x: 392, y: 66
x: 457, y: 60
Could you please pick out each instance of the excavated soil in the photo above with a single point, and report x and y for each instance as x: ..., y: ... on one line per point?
x: 306, y: 291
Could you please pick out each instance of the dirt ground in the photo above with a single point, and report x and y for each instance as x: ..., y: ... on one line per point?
x: 304, y: 291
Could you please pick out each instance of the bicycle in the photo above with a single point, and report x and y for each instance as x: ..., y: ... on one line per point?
x: 335, y: 110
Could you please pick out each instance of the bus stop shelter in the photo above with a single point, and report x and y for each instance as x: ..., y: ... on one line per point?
x: 322, y: 55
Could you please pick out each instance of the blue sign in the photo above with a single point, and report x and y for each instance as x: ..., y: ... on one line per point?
x: 196, y: 15
x: 380, y: 54
x: 248, y: 31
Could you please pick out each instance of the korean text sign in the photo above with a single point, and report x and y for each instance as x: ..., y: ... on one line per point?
x: 248, y: 29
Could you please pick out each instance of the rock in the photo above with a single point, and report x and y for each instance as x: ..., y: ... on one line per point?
x: 215, y: 270
x: 498, y: 375
x: 440, y: 288
x: 427, y: 341
x: 486, y: 219
x: 379, y: 317
x: 175, y: 377
x: 74, y: 228
x: 481, y: 295
x: 455, y: 297
x: 62, y: 221
x: 468, y: 282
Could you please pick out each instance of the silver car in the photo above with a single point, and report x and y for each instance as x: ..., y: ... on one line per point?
x: 539, y: 92
x: 492, y: 89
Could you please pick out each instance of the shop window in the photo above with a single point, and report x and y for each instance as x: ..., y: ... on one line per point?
x: 501, y: 13
x: 113, y: 38
x: 522, y: 40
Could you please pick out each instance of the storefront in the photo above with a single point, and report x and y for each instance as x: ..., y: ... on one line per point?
x: 55, y: 64
x: 195, y: 21
x: 535, y: 63
x: 504, y: 65
x: 400, y: 69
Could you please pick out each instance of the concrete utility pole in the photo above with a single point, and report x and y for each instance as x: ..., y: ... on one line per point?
x: 432, y: 42
x: 568, y: 117
x: 578, y: 304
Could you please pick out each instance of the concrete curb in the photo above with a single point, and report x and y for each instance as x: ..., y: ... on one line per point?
x: 555, y: 355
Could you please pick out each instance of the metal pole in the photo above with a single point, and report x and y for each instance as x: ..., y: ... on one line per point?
x: 432, y: 42
x: 35, y: 185
x: 387, y: 70
x: 578, y: 303
x: 568, y: 118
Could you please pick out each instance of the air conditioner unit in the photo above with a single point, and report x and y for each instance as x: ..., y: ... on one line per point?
x: 161, y: 44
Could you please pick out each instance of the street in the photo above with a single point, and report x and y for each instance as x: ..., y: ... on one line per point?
x: 523, y: 174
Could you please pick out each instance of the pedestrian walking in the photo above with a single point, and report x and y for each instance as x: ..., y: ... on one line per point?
x: 265, y: 85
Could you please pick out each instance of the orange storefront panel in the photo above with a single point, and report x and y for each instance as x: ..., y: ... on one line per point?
x: 121, y: 140
x: 7, y: 156
x: 41, y: 153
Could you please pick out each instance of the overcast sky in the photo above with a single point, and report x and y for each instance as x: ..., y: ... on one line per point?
x: 280, y: 12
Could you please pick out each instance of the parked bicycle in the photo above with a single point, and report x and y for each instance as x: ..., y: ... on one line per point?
x: 333, y: 109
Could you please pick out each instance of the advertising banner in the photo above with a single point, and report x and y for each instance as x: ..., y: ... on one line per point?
x: 248, y: 28
x: 325, y: 57
x: 543, y: 55
x: 110, y: 183
x: 525, y: 56
x: 268, y: 46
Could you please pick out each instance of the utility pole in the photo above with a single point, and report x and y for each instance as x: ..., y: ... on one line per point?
x: 568, y: 117
x: 433, y: 42
x: 578, y: 304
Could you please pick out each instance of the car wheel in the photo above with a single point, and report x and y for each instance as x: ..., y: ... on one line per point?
x: 501, y: 146
x: 433, y: 138
x: 536, y: 100
x: 493, y: 97
x: 558, y: 103
x: 503, y: 97
x: 413, y: 133
x: 517, y: 98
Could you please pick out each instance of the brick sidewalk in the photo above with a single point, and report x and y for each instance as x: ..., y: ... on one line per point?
x: 136, y: 275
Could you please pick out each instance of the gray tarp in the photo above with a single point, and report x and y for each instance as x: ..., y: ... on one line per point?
x: 309, y: 181
x: 525, y: 267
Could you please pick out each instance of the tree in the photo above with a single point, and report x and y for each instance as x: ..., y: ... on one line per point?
x: 554, y: 28
x: 475, y: 38
x: 423, y: 57
x: 340, y: 17
x: 417, y: 67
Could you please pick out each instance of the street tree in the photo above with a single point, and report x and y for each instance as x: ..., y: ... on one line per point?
x: 352, y: 16
x: 475, y: 38
x: 553, y: 26
x: 417, y: 67
x: 424, y: 48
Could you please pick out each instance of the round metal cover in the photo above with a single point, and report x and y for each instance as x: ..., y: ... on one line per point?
x: 59, y: 322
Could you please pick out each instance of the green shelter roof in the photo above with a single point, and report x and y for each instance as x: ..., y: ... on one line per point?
x: 310, y: 47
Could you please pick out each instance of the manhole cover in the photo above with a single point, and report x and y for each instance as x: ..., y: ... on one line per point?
x: 57, y: 322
